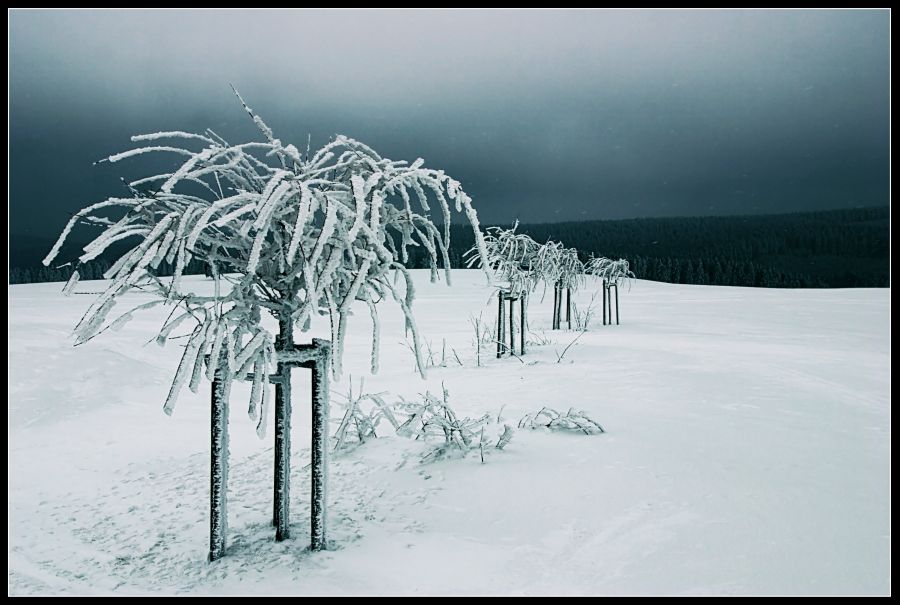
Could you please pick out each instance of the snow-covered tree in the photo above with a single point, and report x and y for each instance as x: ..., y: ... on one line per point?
x: 561, y: 267
x: 289, y: 233
x: 294, y: 234
x: 612, y: 273
x: 510, y: 256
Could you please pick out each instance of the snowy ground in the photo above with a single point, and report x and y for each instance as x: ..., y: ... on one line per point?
x: 747, y: 452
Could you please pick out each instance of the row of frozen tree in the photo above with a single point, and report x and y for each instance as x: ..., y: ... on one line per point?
x: 520, y: 266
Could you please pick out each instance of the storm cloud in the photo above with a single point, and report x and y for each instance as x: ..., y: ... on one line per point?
x: 543, y: 115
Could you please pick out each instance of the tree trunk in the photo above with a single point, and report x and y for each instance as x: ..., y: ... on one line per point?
x: 218, y: 467
x: 522, y: 324
x: 500, y: 320
x: 320, y: 394
x: 555, y: 294
x: 617, y: 304
x: 559, y: 303
x: 281, y: 517
x: 604, y: 302
x: 569, y: 308
x: 512, y: 327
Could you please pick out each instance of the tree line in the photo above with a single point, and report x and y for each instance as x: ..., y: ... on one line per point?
x: 827, y: 249
x: 90, y: 270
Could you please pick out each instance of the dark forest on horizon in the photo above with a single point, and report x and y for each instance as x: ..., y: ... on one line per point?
x: 826, y: 249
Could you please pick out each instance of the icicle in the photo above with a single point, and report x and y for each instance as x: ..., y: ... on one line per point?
x: 264, y: 408
x: 359, y: 195
x: 270, y: 196
x: 169, y: 326
x: 146, y: 259
x: 208, y: 214
x: 185, y: 168
x: 411, y: 324
x: 231, y: 216
x: 375, y: 211
x: 173, y: 134
x: 87, y: 329
x: 215, y: 352
x: 96, y: 248
x: 479, y: 239
x: 247, y: 352
x: 190, y: 353
x: 327, y: 230
x: 300, y: 224
x: 120, y: 322
x: 140, y: 252
x: 197, y: 374
x: 259, y: 374
x: 420, y: 193
x: 163, y: 249
x: 68, y: 228
x: 70, y: 285
x: 179, y: 269
x: 133, y: 152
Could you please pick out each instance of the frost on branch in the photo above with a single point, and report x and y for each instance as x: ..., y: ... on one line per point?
x: 512, y: 258
x: 434, y: 418
x: 571, y: 269
x: 571, y: 421
x: 559, y: 265
x: 295, y: 235
x: 613, y: 271
x: 362, y: 415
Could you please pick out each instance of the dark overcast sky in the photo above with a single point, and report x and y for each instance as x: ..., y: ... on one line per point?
x: 543, y: 115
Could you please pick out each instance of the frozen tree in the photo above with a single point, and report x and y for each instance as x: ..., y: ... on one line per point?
x: 288, y: 233
x: 571, y: 269
x: 612, y: 273
x: 510, y: 256
x: 561, y: 267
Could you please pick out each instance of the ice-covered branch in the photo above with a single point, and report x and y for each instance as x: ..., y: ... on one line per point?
x: 298, y: 236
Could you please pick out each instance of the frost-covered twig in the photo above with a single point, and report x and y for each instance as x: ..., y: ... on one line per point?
x: 476, y: 324
x: 363, y: 413
x: 511, y: 257
x: 559, y: 356
x: 583, y: 318
x: 613, y: 271
x: 551, y: 419
x: 540, y: 339
x: 432, y: 417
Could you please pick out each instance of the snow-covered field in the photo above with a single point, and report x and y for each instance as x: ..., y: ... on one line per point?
x: 747, y: 452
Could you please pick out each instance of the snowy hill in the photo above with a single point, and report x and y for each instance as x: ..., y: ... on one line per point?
x: 747, y: 452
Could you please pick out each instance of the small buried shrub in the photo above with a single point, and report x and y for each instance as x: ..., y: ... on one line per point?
x: 551, y: 419
x: 434, y: 418
x: 361, y: 418
x: 430, y: 419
